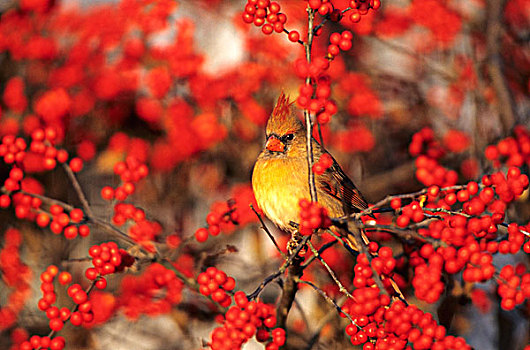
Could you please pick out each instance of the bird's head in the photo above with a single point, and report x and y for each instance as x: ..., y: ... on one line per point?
x: 285, y: 132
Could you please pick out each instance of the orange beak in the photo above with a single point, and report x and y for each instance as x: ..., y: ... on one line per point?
x: 274, y: 145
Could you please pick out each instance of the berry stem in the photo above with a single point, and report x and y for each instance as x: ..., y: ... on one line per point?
x: 299, y: 40
x: 327, y: 17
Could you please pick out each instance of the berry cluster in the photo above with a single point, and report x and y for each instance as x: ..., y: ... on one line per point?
x: 16, y: 276
x: 361, y: 7
x: 412, y: 211
x: 312, y: 217
x: 127, y: 211
x: 514, y: 286
x: 357, y: 8
x: 12, y: 183
x: 429, y: 151
x: 323, y: 164
x: 215, y: 283
x: 367, y: 298
x: 315, y: 94
x: 508, y: 187
x: 45, y: 342
x: 384, y: 263
x: 479, y: 268
x: 512, y: 151
x: 84, y: 312
x: 107, y: 258
x: 48, y: 290
x: 430, y: 172
x: 339, y: 42
x: 222, y: 215
x: 266, y: 14
x: 317, y: 4
x: 59, y: 221
x: 154, y: 292
x: 491, y: 195
x: 26, y: 206
x: 428, y: 267
x: 13, y: 149
x: 142, y: 231
x: 29, y: 208
x: 380, y: 324
x: 243, y: 321
x: 131, y: 171
x: 57, y: 317
x: 363, y: 276
x: 419, y: 328
x: 316, y: 99
x: 43, y: 155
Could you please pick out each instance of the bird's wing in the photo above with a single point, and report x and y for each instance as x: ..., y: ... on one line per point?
x: 338, y: 185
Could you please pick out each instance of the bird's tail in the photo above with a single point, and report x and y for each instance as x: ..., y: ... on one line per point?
x: 355, y: 236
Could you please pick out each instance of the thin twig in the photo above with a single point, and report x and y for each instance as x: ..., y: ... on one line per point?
x: 320, y: 251
x: 389, y: 198
x: 494, y: 10
x: 47, y: 200
x: 264, y: 227
x: 344, y: 244
x: 280, y: 271
x: 78, y: 190
x: 95, y: 220
x: 445, y: 211
x: 302, y: 313
x: 330, y: 271
x: 328, y: 299
x: 404, y: 232
x: 322, y: 322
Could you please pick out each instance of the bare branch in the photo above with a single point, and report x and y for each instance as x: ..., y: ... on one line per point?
x: 493, y: 44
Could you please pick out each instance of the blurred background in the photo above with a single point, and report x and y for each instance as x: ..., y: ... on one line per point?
x: 186, y: 87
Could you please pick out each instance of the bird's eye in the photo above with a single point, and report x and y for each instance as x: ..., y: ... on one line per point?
x: 288, y: 137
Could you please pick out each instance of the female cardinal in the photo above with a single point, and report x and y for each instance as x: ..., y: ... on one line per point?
x: 280, y: 175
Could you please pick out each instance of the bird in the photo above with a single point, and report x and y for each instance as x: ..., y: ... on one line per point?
x: 280, y: 174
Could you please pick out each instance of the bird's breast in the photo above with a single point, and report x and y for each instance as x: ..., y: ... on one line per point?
x: 278, y: 186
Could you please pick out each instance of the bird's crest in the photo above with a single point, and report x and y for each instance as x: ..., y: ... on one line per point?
x: 283, y: 118
x: 282, y: 108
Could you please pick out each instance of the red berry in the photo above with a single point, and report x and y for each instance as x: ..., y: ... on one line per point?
x: 76, y: 164
x: 402, y: 221
x: 294, y: 36
x: 201, y: 235
x: 65, y: 278
x: 56, y: 324
x: 42, y: 220
x: 267, y: 29
x: 395, y: 203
